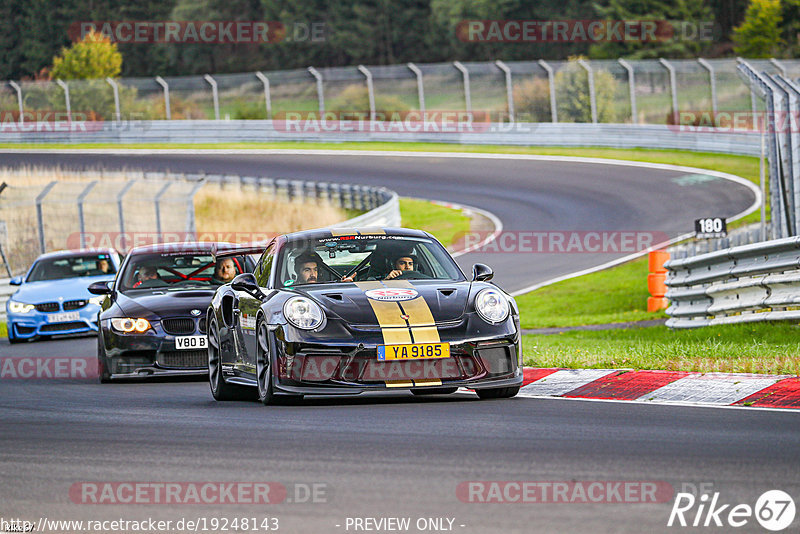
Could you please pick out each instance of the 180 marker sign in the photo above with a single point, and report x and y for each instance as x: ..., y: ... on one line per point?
x: 710, y: 227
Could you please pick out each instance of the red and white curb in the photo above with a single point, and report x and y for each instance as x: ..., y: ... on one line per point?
x: 671, y: 387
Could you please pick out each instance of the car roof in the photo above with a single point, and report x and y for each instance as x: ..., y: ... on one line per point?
x: 75, y: 252
x: 322, y: 233
x: 188, y: 247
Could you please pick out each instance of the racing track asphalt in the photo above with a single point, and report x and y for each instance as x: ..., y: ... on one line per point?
x: 401, y: 455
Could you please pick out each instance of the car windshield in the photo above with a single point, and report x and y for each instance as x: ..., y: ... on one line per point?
x: 357, y: 258
x: 71, y: 267
x: 179, y: 270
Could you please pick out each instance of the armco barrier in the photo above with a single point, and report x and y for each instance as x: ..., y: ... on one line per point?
x: 750, y: 283
x: 382, y: 205
x: 528, y: 134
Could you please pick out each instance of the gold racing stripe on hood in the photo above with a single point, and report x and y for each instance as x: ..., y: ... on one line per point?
x: 336, y: 232
x: 393, y: 327
x: 399, y: 383
x: 420, y: 318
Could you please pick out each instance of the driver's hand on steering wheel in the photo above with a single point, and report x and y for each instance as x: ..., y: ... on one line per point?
x: 394, y: 274
x: 348, y: 278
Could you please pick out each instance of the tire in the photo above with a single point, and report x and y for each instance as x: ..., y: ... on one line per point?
x: 497, y: 393
x: 103, y: 369
x: 434, y: 391
x: 220, y: 389
x: 263, y: 364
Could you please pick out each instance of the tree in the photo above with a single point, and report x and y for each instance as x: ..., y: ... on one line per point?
x: 759, y: 35
x: 93, y: 57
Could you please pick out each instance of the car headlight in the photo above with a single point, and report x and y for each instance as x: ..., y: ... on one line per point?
x: 19, y: 307
x: 492, y: 305
x: 97, y: 300
x: 303, y: 313
x: 128, y: 325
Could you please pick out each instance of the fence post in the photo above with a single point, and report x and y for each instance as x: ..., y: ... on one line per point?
x: 780, y: 66
x: 81, y: 221
x: 420, y: 87
x: 121, y: 212
x: 370, y: 91
x: 592, y: 95
x: 713, y: 82
x: 793, y: 91
x: 114, y: 86
x: 780, y: 97
x: 631, y: 89
x: 65, y: 87
x: 191, y: 226
x: 673, y: 87
x: 465, y: 76
x: 157, y: 202
x: 40, y: 215
x: 267, y: 99
x: 18, y: 89
x: 214, y: 94
x: 165, y: 86
x: 509, y: 88
x: 552, y: 81
x: 320, y: 89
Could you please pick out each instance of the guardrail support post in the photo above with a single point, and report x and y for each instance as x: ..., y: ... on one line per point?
x: 592, y: 95
x: 121, y: 212
x: 65, y: 87
x: 81, y: 221
x: 631, y: 89
x: 320, y: 90
x: 509, y: 88
x: 712, y: 82
x: 552, y: 81
x: 420, y: 87
x: 780, y: 66
x: 165, y: 86
x: 673, y: 87
x: 157, y: 202
x: 114, y: 86
x: 40, y: 215
x: 267, y: 99
x: 214, y: 94
x: 793, y: 91
x: 465, y: 76
x: 370, y: 91
x: 782, y: 132
x: 18, y: 89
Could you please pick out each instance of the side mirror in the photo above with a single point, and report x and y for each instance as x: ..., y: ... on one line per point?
x: 247, y: 282
x: 481, y: 273
x: 100, y: 288
x: 16, y: 281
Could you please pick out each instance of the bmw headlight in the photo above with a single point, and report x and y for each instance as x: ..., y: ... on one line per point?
x: 97, y: 300
x: 127, y: 325
x: 19, y: 307
x: 303, y: 313
x: 492, y: 305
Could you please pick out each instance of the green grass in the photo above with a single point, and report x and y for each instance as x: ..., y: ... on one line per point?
x: 3, y: 330
x: 611, y: 296
x: 444, y: 223
x: 757, y: 348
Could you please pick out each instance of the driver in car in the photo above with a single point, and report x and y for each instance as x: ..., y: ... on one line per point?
x: 400, y: 265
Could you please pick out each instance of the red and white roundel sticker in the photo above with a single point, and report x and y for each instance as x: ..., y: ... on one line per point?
x: 391, y: 294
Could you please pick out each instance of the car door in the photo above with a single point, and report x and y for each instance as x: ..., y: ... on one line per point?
x: 248, y: 306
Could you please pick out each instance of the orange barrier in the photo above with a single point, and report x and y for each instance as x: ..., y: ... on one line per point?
x: 656, y: 279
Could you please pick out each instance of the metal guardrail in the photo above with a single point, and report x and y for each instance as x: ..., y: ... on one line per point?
x: 527, y: 134
x: 381, y: 205
x: 750, y: 283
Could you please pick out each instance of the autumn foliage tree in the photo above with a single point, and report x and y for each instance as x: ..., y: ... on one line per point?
x: 93, y: 57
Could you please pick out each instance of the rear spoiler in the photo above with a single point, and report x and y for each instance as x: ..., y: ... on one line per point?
x: 228, y: 251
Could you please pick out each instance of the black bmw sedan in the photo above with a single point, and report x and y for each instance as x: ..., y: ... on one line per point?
x: 153, y: 319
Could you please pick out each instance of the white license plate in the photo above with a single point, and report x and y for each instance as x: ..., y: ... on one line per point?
x: 64, y: 317
x: 191, y: 342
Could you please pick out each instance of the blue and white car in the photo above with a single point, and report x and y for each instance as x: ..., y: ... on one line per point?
x: 54, y: 298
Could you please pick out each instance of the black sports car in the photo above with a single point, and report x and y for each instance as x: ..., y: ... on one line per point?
x: 153, y: 319
x: 347, y: 311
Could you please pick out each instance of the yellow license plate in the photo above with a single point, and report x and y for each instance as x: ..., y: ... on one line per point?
x: 417, y: 351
